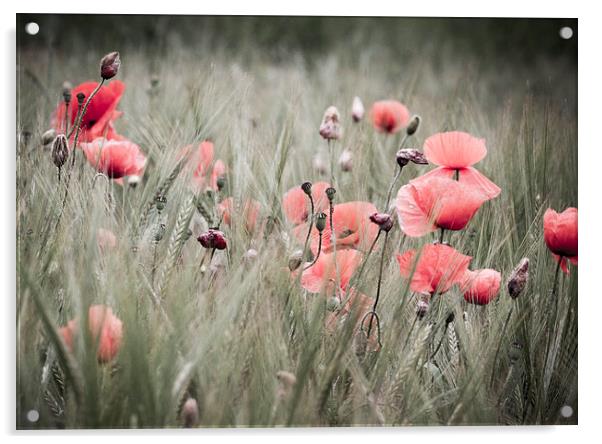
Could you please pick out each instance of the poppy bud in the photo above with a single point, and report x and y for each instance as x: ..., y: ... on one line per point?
x: 133, y: 181
x: 331, y: 127
x: 518, y: 278
x: 188, y: 234
x: 295, y: 259
x: 330, y: 192
x: 346, y: 161
x: 160, y: 202
x: 306, y: 187
x: 413, y: 125
x: 221, y: 183
x: 48, y: 137
x: 332, y: 304
x: 383, y: 220
x: 190, y: 413
x: 357, y: 109
x: 321, y: 222
x: 109, y: 65
x: 67, y: 87
x: 450, y: 318
x: 80, y: 98
x: 422, y: 307
x: 60, y: 150
x: 159, y: 232
x: 213, y: 239
x: 406, y: 155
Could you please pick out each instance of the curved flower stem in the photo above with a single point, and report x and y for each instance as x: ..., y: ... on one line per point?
x: 311, y: 225
x: 364, y: 262
x: 395, y: 178
x: 380, y: 278
x: 333, y: 240
x: 373, y: 316
x: 317, y: 255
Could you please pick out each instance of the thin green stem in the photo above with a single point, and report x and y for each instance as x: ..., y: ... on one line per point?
x: 311, y: 225
x: 380, y: 278
x: 317, y: 255
x: 393, y: 182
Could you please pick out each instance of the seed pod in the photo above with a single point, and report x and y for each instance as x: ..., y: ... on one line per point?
x: 321, y: 222
x: 357, y: 109
x: 383, y: 220
x: 330, y: 129
x: 67, y: 87
x: 413, y: 125
x: 160, y: 202
x: 407, y: 155
x: 346, y: 161
x: 190, y: 413
x: 221, y: 183
x: 109, y: 65
x: 48, y: 137
x: 60, y: 150
x: 306, y: 187
x: 80, y: 98
x: 518, y: 278
x: 295, y: 259
x: 213, y: 239
x: 330, y: 192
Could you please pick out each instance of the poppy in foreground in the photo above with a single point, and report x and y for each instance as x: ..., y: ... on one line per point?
x: 389, y: 116
x: 435, y: 268
x: 105, y: 328
x: 352, y: 225
x: 560, y: 231
x: 115, y: 158
x: 480, y: 287
x: 249, y: 214
x: 295, y: 203
x: 101, y: 113
x: 455, y: 152
x: 322, y: 275
x: 436, y: 202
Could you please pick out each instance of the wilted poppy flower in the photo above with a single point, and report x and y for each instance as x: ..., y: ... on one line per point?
x: 330, y: 128
x: 105, y: 329
x: 480, y: 287
x: 106, y: 240
x: 201, y: 162
x: 115, y: 158
x: 436, y: 202
x: 560, y: 231
x: 213, y: 239
x: 101, y: 113
x: 458, y: 151
x: 322, y: 275
x: 352, y: 226
x: 249, y: 214
x: 295, y: 202
x: 436, y: 268
x: 389, y: 116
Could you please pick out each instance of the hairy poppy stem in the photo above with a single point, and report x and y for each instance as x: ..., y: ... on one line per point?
x: 380, y: 278
x: 311, y: 225
x: 317, y: 255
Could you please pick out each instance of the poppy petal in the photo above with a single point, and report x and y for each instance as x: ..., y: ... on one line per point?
x: 454, y: 149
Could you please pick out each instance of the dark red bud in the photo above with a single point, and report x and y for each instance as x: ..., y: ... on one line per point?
x: 407, y: 155
x: 213, y: 239
x: 109, y: 65
x: 383, y: 220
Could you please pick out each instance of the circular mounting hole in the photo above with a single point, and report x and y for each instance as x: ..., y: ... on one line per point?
x: 566, y: 411
x: 33, y: 416
x: 566, y: 32
x: 32, y: 28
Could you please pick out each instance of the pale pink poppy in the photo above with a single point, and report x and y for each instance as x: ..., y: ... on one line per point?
x: 436, y: 202
x: 435, y: 268
x: 455, y: 152
x: 296, y: 206
x: 480, y: 287
x: 322, y: 275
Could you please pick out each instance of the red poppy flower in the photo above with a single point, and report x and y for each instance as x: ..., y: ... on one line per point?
x: 389, y: 116
x: 480, y: 287
x: 115, y: 158
x: 436, y: 202
x: 457, y: 151
x: 105, y: 328
x: 435, y: 268
x: 201, y: 161
x: 295, y: 202
x: 322, y: 275
x: 560, y: 231
x: 101, y: 113
x: 250, y: 213
x: 352, y: 226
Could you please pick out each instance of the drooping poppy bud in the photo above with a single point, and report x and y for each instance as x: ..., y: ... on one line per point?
x: 190, y: 413
x: 331, y: 127
x: 321, y: 222
x: 60, y: 150
x: 357, y: 109
x: 518, y: 278
x: 109, y: 65
x: 413, y: 125
x: 383, y: 220
x: 407, y: 155
x: 213, y: 238
x: 346, y: 161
